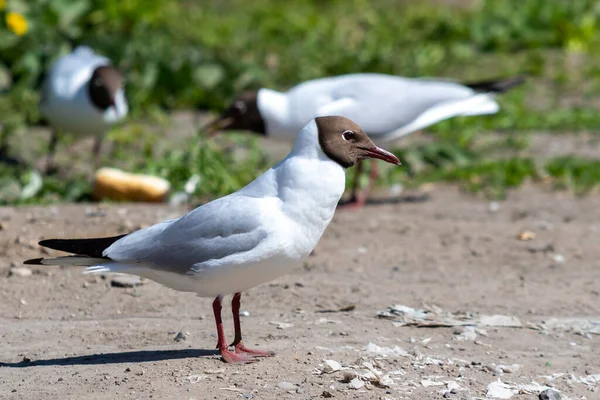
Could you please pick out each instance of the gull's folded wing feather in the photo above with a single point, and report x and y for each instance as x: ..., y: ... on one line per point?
x: 342, y: 106
x: 214, y: 232
x: 383, y: 104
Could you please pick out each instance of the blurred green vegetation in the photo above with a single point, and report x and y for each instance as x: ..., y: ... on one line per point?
x: 199, y: 54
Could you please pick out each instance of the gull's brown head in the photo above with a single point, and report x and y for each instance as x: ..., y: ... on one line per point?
x: 104, y: 84
x: 346, y: 143
x: 241, y: 115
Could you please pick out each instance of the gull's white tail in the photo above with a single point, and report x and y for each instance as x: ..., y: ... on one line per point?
x: 81, y: 261
x: 479, y: 104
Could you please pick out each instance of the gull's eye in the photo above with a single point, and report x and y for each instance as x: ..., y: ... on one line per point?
x: 348, y: 135
x: 240, y: 106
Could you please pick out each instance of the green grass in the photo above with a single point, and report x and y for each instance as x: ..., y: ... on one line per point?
x: 185, y: 54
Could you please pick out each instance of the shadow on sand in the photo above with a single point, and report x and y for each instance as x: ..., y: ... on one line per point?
x: 113, y: 358
x: 417, y: 198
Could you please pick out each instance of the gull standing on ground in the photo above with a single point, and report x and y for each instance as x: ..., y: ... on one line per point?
x: 82, y: 95
x: 387, y: 107
x: 244, y: 239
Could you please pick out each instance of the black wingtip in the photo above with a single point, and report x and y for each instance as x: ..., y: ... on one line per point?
x: 92, y: 247
x: 47, y: 242
x: 33, y: 261
x: 497, y: 86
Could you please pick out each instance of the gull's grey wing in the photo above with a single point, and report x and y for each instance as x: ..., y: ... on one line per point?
x: 220, y: 229
x: 384, y: 104
x: 380, y: 104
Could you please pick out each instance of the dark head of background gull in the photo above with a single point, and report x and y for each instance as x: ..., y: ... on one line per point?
x: 104, y: 84
x: 243, y: 114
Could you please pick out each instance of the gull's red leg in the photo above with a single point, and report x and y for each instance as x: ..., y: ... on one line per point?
x: 237, y: 341
x: 227, y: 355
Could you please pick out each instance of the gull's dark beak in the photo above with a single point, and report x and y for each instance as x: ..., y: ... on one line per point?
x: 216, y: 125
x: 378, y: 152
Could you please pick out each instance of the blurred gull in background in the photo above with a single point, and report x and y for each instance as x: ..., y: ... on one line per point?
x: 82, y: 95
x: 386, y: 107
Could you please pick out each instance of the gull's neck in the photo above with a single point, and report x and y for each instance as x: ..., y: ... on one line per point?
x: 308, y: 183
x: 275, y: 112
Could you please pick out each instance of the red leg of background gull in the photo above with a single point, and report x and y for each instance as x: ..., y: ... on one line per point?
x: 237, y: 341
x: 96, y: 150
x: 50, y: 164
x: 356, y: 197
x: 356, y: 184
x: 227, y: 355
x: 372, y: 179
x: 359, y: 198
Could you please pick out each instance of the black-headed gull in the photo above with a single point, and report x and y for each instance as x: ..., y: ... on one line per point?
x: 83, y: 95
x: 386, y: 107
x: 244, y: 239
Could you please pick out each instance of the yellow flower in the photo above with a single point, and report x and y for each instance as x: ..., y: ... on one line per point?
x: 16, y: 23
x: 2, y: 4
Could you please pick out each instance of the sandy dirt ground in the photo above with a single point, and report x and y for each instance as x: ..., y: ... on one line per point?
x: 458, y: 258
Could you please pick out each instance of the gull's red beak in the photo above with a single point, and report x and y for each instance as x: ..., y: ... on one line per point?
x: 378, y: 152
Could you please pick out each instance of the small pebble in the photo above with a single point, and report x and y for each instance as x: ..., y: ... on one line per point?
x: 349, y: 375
x: 331, y: 366
x: 181, y: 336
x: 526, y: 235
x: 21, y: 272
x: 244, y: 313
x: 356, y: 383
x: 126, y: 281
x: 286, y: 385
x: 325, y: 394
x: 545, y: 226
x: 550, y: 394
x: 509, y: 369
x: 281, y: 325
